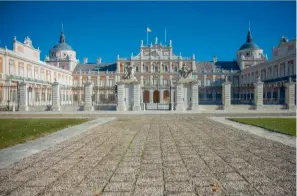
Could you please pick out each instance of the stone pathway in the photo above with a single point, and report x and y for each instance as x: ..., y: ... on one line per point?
x: 160, y: 155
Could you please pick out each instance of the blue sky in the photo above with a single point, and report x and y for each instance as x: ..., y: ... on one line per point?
x: 106, y: 29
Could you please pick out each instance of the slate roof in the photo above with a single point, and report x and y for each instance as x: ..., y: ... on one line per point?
x: 208, y: 66
x: 94, y: 67
x: 227, y: 65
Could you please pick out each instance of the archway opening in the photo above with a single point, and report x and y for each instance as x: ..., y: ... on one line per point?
x: 166, y: 96
x: 156, y: 97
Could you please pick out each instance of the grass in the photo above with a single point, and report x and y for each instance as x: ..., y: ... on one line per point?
x: 15, y: 131
x: 281, y: 125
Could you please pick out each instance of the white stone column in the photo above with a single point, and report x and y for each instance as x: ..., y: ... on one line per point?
x: 151, y: 96
x: 290, y: 95
x: 195, y: 97
x: 23, y: 97
x: 258, y: 94
x: 226, y: 94
x: 88, y: 106
x: 56, y: 96
x: 45, y: 96
x: 121, y: 97
x: 161, y: 96
x: 180, y: 104
x: 136, y: 94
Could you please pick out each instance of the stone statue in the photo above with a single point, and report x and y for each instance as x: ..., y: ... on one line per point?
x: 156, y: 40
x: 259, y: 79
x: 226, y: 78
x: 170, y: 42
x: 129, y: 72
x: 141, y: 43
x: 184, y: 72
x: 290, y: 79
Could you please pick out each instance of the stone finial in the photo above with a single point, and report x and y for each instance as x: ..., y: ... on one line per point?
x: 156, y: 40
x: 141, y: 43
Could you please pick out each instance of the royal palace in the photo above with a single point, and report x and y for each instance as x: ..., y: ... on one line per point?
x: 154, y: 79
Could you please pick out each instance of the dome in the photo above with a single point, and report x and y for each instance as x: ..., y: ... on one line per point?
x: 249, y: 44
x: 62, y: 45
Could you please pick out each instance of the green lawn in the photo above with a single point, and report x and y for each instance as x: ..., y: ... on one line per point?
x: 281, y: 125
x: 15, y: 131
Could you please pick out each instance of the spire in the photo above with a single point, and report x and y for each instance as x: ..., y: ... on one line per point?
x: 249, y: 38
x: 62, y: 36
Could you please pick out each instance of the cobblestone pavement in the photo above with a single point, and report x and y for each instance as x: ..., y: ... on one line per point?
x: 156, y: 155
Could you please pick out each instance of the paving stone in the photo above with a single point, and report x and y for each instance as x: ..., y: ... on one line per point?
x: 149, y: 191
x: 178, y: 187
x: 185, y: 154
x: 119, y: 186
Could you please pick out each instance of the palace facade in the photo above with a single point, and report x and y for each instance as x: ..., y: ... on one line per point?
x: 156, y: 68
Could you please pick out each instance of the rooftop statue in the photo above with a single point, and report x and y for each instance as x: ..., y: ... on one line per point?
x: 184, y: 72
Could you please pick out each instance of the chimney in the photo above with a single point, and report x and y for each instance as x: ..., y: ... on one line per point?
x: 85, y: 60
x: 98, y: 60
x: 214, y: 59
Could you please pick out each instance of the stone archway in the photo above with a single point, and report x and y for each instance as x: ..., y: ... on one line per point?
x: 166, y: 97
x: 156, y: 97
x: 146, y: 96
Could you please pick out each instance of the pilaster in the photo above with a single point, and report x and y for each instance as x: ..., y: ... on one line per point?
x: 88, y: 106
x: 23, y: 97
x: 258, y: 94
x: 180, y: 105
x: 290, y: 95
x: 136, y: 94
x: 121, y: 97
x: 226, y: 94
x: 56, y: 96
x: 195, y: 97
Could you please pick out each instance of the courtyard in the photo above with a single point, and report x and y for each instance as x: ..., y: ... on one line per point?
x: 156, y: 155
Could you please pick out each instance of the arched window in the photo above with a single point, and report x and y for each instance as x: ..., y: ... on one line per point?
x: 146, y: 68
x: 156, y: 68
x: 166, y: 70
x: 136, y: 68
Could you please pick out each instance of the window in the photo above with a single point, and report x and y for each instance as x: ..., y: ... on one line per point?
x: 247, y: 54
x: 146, y: 68
x: 156, y: 68
x: 166, y: 69
x: 175, y: 68
x: 137, y: 69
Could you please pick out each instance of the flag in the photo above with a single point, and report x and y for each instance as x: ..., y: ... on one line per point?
x: 148, y: 30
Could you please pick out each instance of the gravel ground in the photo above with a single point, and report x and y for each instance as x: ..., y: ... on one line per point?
x: 157, y: 155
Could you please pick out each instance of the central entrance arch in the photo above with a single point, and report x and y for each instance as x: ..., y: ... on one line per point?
x: 156, y: 96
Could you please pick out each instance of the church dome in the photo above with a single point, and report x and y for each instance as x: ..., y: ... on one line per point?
x: 62, y: 45
x: 249, y: 44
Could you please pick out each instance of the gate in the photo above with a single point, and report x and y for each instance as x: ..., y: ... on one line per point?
x: 210, y: 95
x: 242, y: 94
x: 104, y: 97
x: 9, y: 97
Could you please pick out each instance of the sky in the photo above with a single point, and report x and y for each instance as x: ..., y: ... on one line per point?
x: 105, y: 29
